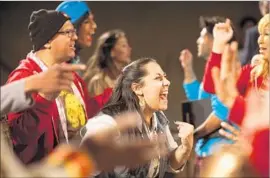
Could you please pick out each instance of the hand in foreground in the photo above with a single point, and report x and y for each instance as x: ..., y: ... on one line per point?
x: 49, y: 83
x: 109, y: 152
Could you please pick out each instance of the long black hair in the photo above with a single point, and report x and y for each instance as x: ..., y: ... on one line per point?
x: 123, y: 98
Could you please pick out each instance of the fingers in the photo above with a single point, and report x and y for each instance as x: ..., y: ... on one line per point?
x: 144, y: 150
x: 230, y: 128
x: 185, y: 129
x: 66, y: 76
x: 228, y: 135
x: 71, y: 67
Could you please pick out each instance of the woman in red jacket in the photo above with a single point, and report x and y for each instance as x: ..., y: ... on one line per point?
x: 112, y: 53
x: 233, y: 89
x: 57, y: 117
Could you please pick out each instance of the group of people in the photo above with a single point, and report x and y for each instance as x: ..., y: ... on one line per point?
x: 106, y: 119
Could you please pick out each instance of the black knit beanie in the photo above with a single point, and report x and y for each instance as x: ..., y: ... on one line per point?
x: 43, y: 25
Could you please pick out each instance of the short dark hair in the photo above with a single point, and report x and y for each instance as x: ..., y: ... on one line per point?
x: 209, y: 23
x: 246, y: 20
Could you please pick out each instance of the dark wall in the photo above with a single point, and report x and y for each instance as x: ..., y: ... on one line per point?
x: 156, y: 29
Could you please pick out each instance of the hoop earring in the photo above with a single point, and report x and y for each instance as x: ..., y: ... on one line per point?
x: 142, y: 104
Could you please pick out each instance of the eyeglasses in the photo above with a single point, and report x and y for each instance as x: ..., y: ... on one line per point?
x: 69, y: 33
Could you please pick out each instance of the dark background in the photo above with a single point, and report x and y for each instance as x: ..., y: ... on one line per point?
x: 155, y: 29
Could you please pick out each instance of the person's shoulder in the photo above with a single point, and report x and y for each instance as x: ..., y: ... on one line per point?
x: 97, y: 85
x: 26, y: 68
x: 99, y: 122
x: 96, y: 79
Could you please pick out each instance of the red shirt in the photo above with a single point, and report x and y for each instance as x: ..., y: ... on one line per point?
x: 34, y: 131
x: 260, y: 155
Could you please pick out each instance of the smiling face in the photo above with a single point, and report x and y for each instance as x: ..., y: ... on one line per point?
x: 155, y: 88
x: 86, y: 31
x: 63, y: 43
x: 264, y: 37
x: 121, y: 51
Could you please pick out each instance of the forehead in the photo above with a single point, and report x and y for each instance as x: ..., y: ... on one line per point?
x: 122, y: 39
x: 153, y: 68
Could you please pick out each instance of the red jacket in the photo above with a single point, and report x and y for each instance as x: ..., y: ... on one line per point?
x: 102, y: 99
x: 260, y: 155
x: 34, y: 131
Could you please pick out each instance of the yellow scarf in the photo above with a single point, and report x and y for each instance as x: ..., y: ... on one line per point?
x: 74, y: 110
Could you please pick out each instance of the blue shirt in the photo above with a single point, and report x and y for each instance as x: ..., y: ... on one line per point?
x: 206, y: 147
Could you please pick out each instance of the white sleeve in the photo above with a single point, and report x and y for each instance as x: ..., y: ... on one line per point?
x: 13, y: 97
x: 98, y: 123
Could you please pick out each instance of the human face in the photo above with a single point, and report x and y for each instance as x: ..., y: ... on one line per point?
x: 205, y: 44
x: 63, y: 43
x: 264, y: 40
x: 86, y: 31
x: 121, y: 51
x: 155, y: 88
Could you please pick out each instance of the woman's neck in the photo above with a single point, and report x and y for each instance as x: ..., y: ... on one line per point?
x: 148, y: 115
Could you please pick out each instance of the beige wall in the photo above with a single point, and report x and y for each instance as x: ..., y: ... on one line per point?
x: 156, y: 29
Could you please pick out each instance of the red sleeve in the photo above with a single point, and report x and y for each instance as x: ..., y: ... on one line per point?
x: 260, y: 153
x: 238, y: 110
x: 244, y: 79
x: 100, y: 100
x: 213, y: 61
x: 31, y: 123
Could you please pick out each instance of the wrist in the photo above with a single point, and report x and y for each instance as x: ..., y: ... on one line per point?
x: 189, y: 75
x: 30, y: 86
x: 218, y: 47
x: 188, y: 70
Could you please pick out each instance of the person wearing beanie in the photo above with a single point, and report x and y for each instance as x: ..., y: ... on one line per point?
x: 83, y: 20
x: 55, y: 117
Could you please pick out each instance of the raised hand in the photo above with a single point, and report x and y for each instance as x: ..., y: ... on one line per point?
x: 186, y: 59
x: 225, y: 79
x: 222, y: 33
